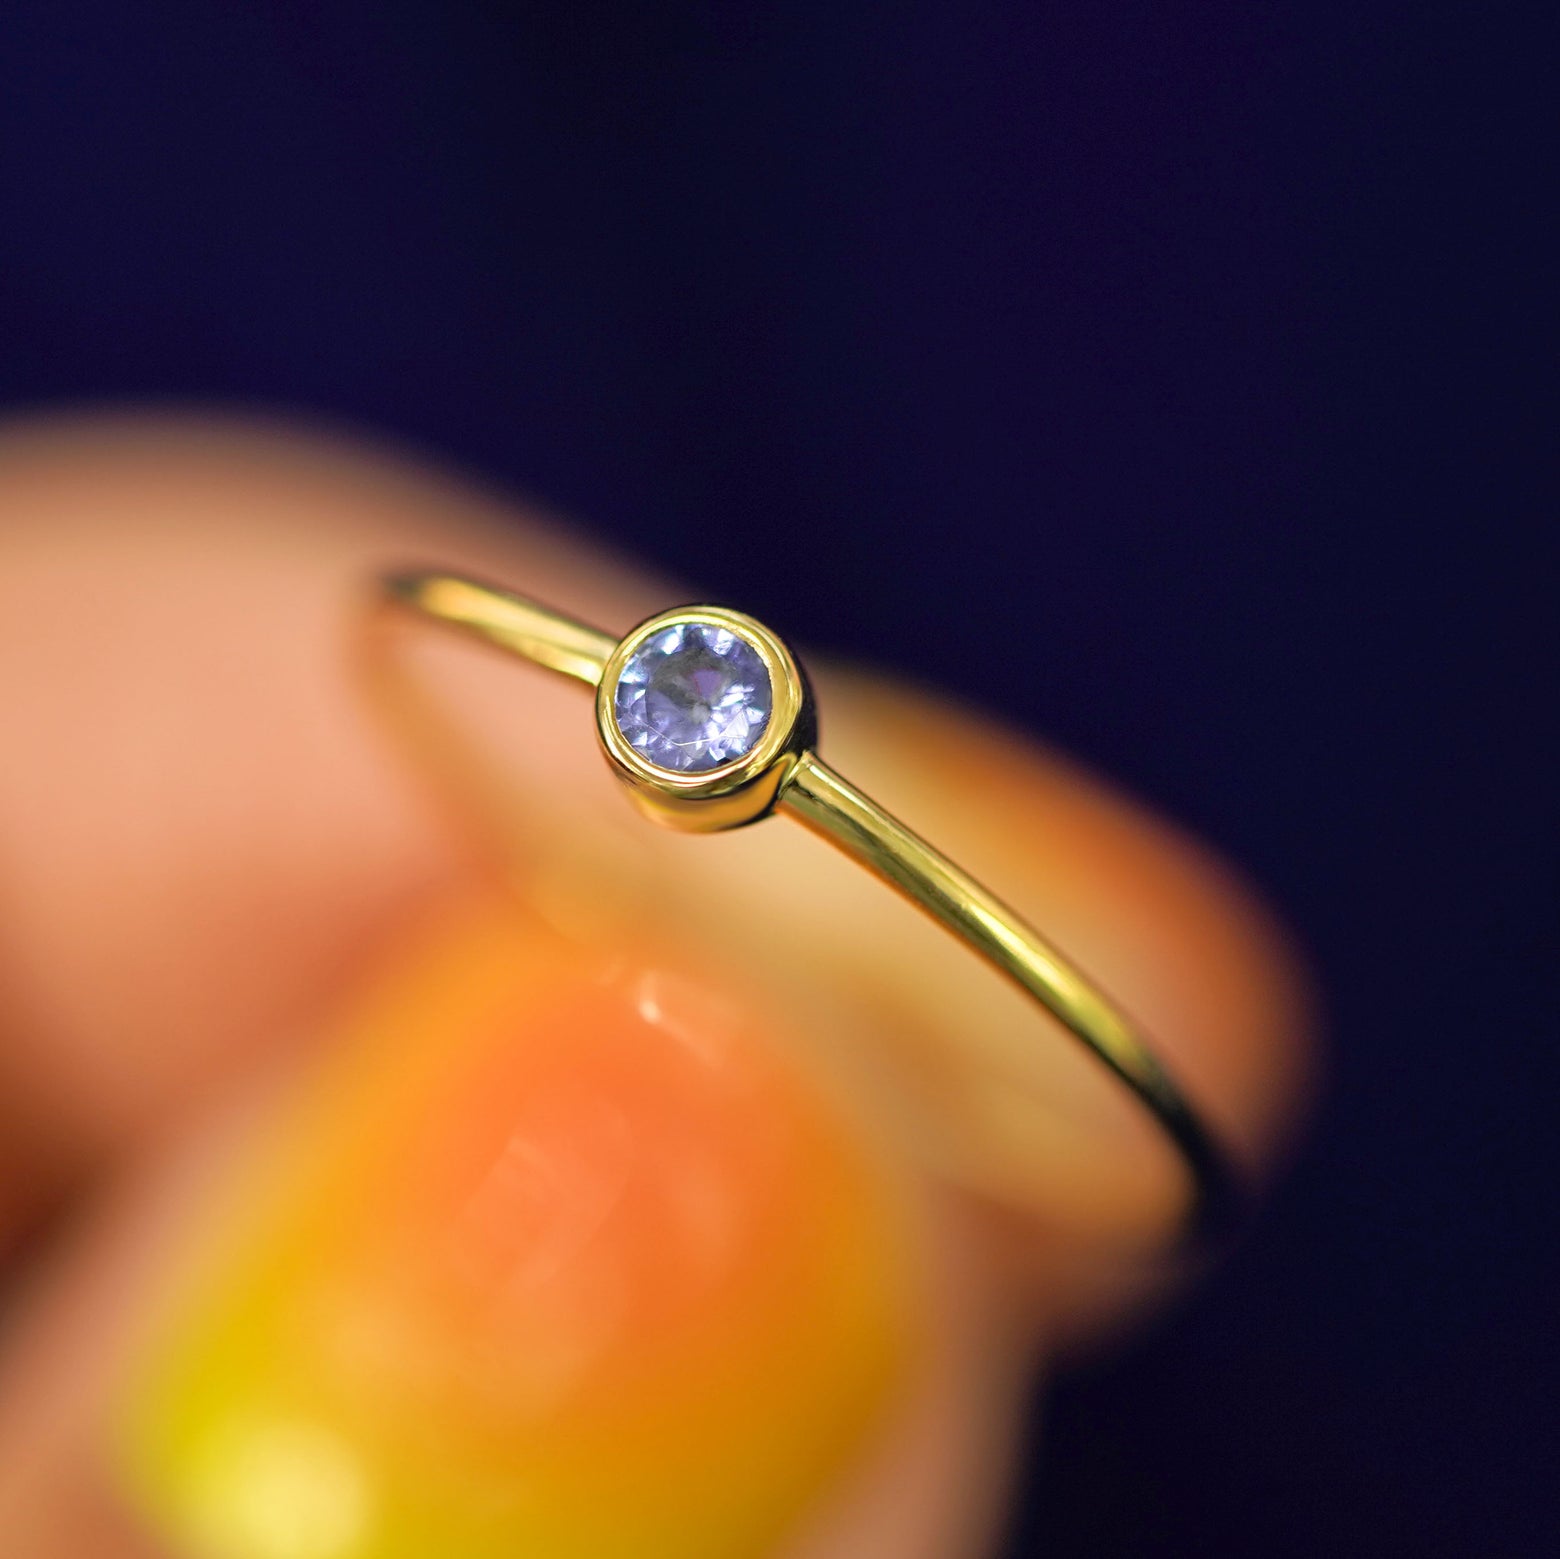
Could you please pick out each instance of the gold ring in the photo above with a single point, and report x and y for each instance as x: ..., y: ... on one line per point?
x: 708, y: 719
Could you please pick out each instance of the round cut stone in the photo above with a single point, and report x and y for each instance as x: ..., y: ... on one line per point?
x: 693, y: 697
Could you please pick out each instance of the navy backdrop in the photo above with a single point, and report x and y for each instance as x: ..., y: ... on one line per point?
x: 1187, y: 349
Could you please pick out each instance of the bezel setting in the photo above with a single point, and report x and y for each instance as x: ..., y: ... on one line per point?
x: 734, y: 793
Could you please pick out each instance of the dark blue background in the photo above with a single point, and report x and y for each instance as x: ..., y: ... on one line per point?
x: 1180, y: 355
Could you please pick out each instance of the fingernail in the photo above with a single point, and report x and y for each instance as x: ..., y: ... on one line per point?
x: 562, y: 1257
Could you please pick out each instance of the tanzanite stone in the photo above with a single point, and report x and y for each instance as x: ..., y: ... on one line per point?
x: 693, y: 697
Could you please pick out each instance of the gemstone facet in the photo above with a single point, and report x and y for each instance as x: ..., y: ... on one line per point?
x: 693, y: 696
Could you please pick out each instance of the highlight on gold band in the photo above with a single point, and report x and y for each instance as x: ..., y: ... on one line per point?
x: 707, y: 718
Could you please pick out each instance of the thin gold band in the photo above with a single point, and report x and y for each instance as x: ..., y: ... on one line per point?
x: 788, y: 775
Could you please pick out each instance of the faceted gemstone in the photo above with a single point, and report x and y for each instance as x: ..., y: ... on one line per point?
x: 693, y: 697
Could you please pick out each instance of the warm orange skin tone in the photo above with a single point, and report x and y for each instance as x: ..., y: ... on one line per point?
x: 280, y: 845
x: 553, y: 1222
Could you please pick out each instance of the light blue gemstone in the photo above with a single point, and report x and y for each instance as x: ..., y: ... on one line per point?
x: 693, y: 697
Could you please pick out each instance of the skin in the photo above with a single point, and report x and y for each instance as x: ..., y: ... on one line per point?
x: 222, y: 876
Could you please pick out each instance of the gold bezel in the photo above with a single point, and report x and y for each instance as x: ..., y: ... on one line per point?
x: 738, y: 792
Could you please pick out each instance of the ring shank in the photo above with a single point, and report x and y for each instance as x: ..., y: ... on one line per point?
x: 525, y: 628
x: 832, y: 808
